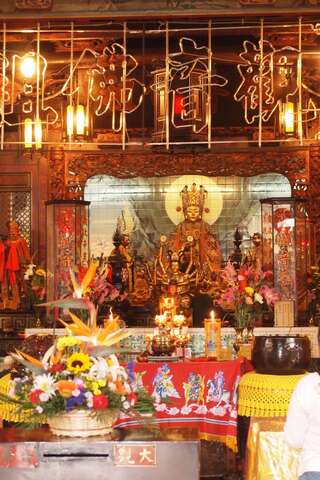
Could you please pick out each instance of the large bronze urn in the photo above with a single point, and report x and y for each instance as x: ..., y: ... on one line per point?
x: 281, y: 354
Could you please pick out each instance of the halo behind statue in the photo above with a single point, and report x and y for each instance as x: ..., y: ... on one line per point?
x: 214, y: 201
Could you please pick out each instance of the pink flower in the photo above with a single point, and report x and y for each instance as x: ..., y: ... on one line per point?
x: 268, y: 275
x: 229, y: 273
x: 269, y: 294
x: 249, y: 300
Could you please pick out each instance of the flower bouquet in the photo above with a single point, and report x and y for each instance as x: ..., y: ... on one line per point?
x: 79, y: 375
x: 35, y: 281
x: 248, y: 292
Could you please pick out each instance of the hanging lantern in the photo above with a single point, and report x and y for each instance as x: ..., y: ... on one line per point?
x: 288, y: 118
x: 27, y: 133
x: 32, y: 133
x: 80, y: 120
x: 38, y: 133
x: 76, y: 120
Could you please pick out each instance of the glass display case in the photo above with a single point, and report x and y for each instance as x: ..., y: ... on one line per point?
x: 286, y: 247
x: 67, y: 243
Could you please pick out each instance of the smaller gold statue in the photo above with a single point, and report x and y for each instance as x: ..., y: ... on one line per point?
x: 254, y: 255
x: 121, y: 262
x: 171, y: 273
x: 177, y: 278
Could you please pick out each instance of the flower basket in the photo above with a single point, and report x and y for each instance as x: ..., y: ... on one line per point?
x: 78, y: 387
x: 81, y: 423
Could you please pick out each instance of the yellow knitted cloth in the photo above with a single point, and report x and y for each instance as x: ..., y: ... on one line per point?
x: 262, y: 395
x: 8, y: 410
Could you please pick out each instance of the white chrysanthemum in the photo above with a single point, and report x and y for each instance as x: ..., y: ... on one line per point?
x: 45, y: 383
x: 39, y: 409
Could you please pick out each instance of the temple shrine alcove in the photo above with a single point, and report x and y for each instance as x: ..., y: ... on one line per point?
x: 147, y: 210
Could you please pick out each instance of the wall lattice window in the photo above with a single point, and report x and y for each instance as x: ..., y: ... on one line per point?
x: 15, y: 201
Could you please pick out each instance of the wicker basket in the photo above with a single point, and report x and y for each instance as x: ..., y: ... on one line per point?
x: 81, y: 423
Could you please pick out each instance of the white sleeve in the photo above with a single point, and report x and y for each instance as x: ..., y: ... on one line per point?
x: 297, y: 418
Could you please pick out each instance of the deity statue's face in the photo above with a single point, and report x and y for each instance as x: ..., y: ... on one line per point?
x: 175, y: 267
x: 193, y: 213
x: 125, y: 240
x: 256, y: 239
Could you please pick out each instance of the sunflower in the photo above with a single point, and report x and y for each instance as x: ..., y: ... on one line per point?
x: 40, y: 272
x: 79, y: 362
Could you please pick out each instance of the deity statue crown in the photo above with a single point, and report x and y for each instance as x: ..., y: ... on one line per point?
x: 193, y: 198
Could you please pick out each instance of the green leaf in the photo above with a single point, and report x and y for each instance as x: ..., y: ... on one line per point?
x: 76, y: 303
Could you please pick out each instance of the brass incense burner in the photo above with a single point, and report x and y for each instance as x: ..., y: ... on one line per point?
x: 163, y: 344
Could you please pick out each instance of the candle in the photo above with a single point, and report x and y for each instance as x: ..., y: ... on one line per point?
x: 212, y: 327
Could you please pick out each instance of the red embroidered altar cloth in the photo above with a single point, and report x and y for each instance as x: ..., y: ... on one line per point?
x: 200, y: 395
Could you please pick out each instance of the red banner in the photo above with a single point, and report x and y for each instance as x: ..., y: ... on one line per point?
x: 200, y: 395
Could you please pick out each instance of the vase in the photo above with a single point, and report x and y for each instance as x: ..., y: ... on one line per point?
x: 240, y: 335
x: 250, y: 327
x: 250, y: 334
x: 81, y: 423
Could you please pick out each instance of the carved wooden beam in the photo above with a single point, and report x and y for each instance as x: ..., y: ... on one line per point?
x: 25, y: 9
x: 33, y: 5
x: 69, y: 171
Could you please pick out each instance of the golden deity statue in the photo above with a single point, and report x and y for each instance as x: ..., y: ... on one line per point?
x: 169, y: 273
x: 253, y: 256
x: 207, y: 256
x: 177, y: 282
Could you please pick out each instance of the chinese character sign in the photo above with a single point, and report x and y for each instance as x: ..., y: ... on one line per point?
x: 187, y: 86
x: 129, y: 455
x: 268, y: 76
x: 113, y: 88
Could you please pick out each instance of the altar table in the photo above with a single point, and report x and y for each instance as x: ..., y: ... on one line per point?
x: 201, y: 395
